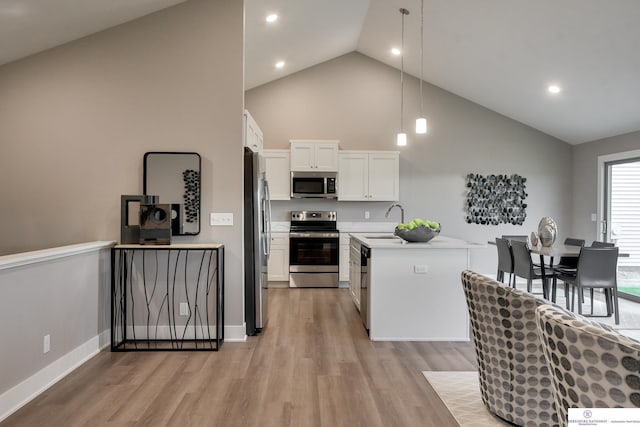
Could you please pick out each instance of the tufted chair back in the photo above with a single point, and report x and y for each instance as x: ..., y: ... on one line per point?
x: 592, y: 365
x: 514, y: 378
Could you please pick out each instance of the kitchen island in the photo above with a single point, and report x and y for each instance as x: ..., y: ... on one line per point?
x: 412, y: 291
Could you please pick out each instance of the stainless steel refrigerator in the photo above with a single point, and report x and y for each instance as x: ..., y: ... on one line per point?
x: 257, y: 241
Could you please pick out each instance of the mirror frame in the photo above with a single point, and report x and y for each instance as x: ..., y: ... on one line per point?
x: 145, y: 184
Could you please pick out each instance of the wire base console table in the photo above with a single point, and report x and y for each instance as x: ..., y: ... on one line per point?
x: 167, y: 297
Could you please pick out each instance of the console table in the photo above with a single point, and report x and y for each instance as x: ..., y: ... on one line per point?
x: 167, y: 297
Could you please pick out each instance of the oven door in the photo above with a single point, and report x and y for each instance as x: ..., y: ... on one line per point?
x: 313, y: 259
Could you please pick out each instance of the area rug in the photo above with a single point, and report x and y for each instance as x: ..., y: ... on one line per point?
x: 460, y: 392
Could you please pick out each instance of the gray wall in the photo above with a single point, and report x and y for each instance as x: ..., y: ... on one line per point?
x: 75, y: 122
x: 585, y: 179
x: 355, y: 99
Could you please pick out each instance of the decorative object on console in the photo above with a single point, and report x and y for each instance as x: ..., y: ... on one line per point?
x: 155, y: 224
x: 495, y: 199
x: 130, y: 207
x: 547, y: 231
x: 175, y: 178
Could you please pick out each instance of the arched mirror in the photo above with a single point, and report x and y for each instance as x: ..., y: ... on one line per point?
x: 175, y: 178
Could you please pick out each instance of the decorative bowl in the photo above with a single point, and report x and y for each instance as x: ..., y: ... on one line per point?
x: 420, y: 234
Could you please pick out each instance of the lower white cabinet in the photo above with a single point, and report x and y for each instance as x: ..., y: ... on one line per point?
x: 344, y: 257
x: 354, y: 271
x: 278, y: 266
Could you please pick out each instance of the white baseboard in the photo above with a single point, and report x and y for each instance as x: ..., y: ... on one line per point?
x: 21, y: 394
x: 235, y: 333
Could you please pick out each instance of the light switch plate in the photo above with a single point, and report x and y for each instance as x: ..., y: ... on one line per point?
x: 221, y: 218
x: 594, y: 217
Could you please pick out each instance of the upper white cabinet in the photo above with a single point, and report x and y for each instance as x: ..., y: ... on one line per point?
x: 253, y: 137
x: 314, y: 155
x: 278, y: 175
x: 369, y: 175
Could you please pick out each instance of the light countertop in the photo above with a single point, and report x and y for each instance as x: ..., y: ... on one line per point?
x: 388, y: 241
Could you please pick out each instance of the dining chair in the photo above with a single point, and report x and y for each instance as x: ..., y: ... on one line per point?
x: 505, y: 260
x: 519, y: 237
x: 597, y: 269
x: 523, y: 266
x: 598, y: 244
x: 570, y: 261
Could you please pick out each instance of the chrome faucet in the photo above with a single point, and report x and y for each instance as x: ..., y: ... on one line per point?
x: 386, y: 215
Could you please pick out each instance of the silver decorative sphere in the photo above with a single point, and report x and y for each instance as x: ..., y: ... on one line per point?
x: 547, y: 231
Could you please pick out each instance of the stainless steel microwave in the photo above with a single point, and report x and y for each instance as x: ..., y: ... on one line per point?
x: 314, y: 185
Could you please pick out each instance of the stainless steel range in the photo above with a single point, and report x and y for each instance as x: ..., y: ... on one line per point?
x: 314, y: 246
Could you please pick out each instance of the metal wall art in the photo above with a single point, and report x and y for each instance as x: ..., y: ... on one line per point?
x: 495, y: 199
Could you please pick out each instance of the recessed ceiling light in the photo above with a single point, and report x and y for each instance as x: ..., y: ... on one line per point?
x: 279, y: 64
x: 272, y: 18
x: 554, y: 89
x: 396, y: 51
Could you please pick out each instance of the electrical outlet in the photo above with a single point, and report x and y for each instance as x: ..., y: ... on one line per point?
x: 420, y: 269
x: 221, y: 218
x: 184, y: 309
x: 594, y: 217
x: 367, y: 215
x: 46, y: 344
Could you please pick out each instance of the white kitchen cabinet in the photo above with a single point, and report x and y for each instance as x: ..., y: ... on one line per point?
x: 354, y: 271
x: 369, y: 176
x: 278, y: 175
x: 314, y: 155
x: 278, y: 265
x: 253, y: 137
x: 344, y: 258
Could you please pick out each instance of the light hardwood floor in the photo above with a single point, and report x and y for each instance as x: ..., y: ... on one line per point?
x: 313, y: 366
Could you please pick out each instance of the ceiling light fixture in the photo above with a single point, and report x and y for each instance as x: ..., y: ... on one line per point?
x: 421, y: 122
x: 554, y: 89
x: 272, y: 18
x: 395, y: 51
x: 401, y: 138
x: 279, y: 64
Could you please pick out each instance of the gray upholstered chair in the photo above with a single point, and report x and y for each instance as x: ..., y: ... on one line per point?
x: 592, y: 365
x: 514, y: 379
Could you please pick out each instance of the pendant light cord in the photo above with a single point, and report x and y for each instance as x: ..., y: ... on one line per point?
x: 403, y: 12
x: 421, y: 55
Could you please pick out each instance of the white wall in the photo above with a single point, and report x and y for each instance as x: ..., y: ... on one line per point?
x: 355, y: 99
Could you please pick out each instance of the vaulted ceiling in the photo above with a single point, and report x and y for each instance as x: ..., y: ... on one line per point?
x: 502, y: 54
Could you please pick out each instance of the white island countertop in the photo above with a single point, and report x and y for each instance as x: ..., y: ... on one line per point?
x: 389, y: 241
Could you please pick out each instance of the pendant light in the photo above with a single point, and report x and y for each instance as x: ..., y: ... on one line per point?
x: 421, y: 122
x: 401, y: 138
